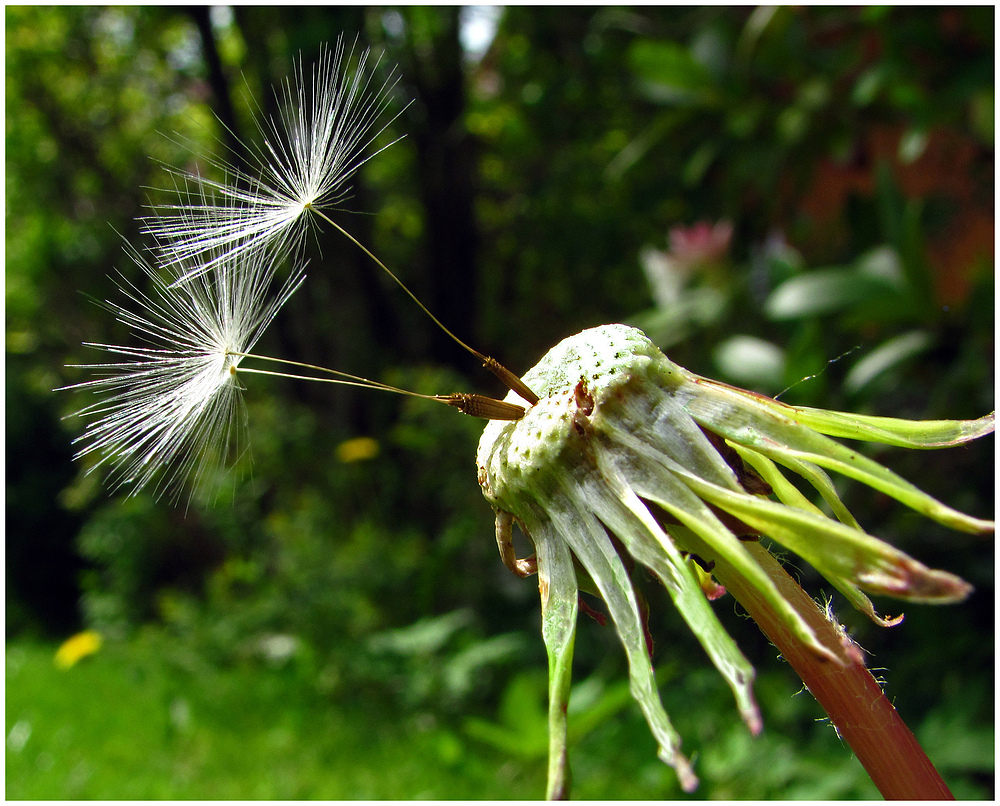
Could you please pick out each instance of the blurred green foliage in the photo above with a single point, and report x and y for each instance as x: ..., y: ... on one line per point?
x: 795, y: 200
x: 141, y: 721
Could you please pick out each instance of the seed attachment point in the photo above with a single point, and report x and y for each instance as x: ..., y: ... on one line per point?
x: 481, y: 406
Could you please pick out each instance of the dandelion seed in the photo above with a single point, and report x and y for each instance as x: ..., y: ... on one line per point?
x: 171, y: 409
x: 307, y: 157
x: 303, y: 168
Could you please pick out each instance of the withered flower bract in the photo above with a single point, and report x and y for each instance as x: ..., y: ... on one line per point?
x: 627, y: 453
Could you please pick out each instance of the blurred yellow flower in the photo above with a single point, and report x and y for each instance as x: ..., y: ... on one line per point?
x: 77, y: 647
x: 359, y: 449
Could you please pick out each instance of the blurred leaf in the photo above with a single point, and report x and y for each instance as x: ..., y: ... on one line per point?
x: 824, y: 291
x: 669, y: 72
x: 637, y: 148
x: 426, y: 636
x: 523, y: 727
x: 699, y: 163
x: 901, y: 220
x: 982, y: 113
x: 695, y: 309
x: 868, y: 86
x: 751, y: 362
x: 886, y: 356
x: 594, y: 701
x: 758, y: 21
x: 951, y: 735
x: 465, y: 669
x: 882, y: 262
x: 912, y: 146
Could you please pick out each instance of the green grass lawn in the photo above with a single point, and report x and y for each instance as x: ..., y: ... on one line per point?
x: 120, y: 725
x: 127, y: 723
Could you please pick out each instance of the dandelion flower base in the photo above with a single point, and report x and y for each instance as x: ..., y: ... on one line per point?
x: 628, y: 458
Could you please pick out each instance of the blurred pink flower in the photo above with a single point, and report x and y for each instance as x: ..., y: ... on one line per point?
x: 701, y: 243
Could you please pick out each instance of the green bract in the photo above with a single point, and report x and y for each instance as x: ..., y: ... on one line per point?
x: 628, y: 453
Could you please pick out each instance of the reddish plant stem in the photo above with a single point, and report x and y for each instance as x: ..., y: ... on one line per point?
x: 863, y: 715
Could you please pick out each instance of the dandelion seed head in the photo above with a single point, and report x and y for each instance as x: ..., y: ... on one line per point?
x: 169, y: 408
x: 307, y: 156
